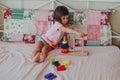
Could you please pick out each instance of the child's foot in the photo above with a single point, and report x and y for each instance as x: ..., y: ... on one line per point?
x: 42, y: 57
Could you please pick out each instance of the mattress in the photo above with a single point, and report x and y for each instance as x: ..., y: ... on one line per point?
x: 103, y: 63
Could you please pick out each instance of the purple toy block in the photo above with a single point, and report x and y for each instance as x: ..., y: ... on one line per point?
x: 50, y: 76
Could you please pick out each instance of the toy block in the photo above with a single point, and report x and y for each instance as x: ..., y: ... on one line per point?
x: 61, y: 68
x: 64, y: 46
x: 52, y: 60
x: 64, y: 42
x: 65, y: 50
x: 50, y: 76
x: 65, y: 62
x: 56, y: 63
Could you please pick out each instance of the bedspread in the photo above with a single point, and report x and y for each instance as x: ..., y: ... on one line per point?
x: 103, y: 63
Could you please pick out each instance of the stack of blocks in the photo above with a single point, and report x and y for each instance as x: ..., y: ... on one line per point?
x: 65, y: 46
x: 60, y: 66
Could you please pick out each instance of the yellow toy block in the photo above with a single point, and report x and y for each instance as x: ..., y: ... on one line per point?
x: 52, y: 60
x: 64, y: 42
x: 65, y: 62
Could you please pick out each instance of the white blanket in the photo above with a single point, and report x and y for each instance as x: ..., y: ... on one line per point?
x: 103, y: 63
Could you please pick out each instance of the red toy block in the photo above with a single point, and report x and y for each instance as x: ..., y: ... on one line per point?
x: 61, y: 68
x: 65, y: 50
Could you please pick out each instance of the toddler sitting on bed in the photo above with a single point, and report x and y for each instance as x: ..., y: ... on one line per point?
x: 51, y: 38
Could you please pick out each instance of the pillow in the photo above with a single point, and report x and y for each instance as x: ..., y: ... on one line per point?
x: 41, y: 27
x: 42, y: 19
x: 96, y: 24
x: 26, y: 22
x: 13, y: 30
x: 13, y: 37
x: 20, y: 23
x: 99, y: 27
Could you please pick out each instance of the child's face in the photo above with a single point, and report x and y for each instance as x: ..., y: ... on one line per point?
x: 65, y: 19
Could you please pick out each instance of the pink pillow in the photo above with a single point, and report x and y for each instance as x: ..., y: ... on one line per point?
x: 95, y: 24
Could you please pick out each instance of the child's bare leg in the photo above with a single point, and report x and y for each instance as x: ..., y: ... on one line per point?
x: 37, y: 51
x: 38, y: 48
x: 36, y: 58
x: 44, y: 52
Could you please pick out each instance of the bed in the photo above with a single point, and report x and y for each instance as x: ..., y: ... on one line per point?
x: 103, y: 63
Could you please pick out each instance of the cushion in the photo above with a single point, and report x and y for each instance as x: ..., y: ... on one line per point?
x: 26, y: 24
x: 95, y: 24
x: 13, y: 37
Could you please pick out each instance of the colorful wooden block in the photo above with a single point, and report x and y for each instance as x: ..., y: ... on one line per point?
x: 64, y: 46
x: 64, y: 42
x: 50, y: 76
x: 52, y: 60
x: 56, y: 63
x: 65, y: 50
x: 61, y: 68
x: 65, y: 63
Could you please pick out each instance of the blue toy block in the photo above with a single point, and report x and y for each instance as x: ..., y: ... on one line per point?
x: 56, y: 63
x: 50, y: 76
x: 64, y: 46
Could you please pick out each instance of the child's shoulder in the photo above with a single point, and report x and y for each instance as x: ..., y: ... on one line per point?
x: 57, y: 24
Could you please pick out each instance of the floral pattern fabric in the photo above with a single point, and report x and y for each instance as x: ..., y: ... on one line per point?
x: 94, y: 23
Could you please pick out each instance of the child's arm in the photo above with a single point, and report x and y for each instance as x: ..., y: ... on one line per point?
x: 68, y: 30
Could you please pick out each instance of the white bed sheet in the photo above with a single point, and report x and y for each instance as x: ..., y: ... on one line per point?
x: 103, y: 63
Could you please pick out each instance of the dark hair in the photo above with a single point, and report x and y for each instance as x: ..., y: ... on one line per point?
x: 59, y: 12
